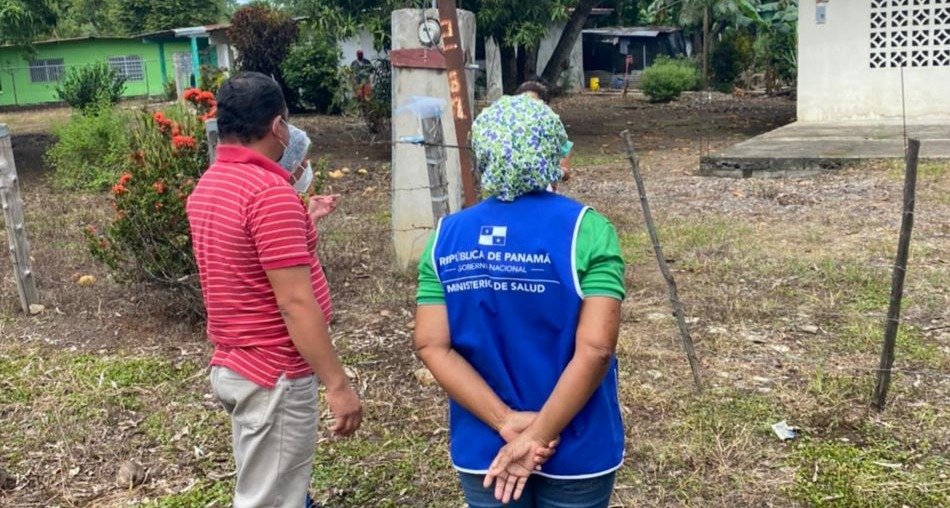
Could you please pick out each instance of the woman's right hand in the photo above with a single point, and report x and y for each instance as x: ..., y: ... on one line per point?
x: 515, y: 423
x: 515, y: 462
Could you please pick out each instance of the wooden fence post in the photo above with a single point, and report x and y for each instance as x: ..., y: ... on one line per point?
x: 458, y: 90
x: 897, y: 279
x: 435, y: 163
x: 678, y: 310
x: 12, y: 205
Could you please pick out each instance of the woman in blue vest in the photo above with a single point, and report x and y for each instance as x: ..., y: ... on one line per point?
x: 519, y: 311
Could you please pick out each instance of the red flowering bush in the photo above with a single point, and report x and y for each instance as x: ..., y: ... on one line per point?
x: 203, y: 101
x: 148, y: 240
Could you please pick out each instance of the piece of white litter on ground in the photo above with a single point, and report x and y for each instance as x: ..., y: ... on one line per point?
x: 891, y: 465
x: 783, y: 431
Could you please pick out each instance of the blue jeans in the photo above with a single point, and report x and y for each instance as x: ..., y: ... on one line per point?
x: 543, y: 492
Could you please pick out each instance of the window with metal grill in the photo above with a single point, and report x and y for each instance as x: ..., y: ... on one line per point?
x: 49, y: 70
x: 129, y: 67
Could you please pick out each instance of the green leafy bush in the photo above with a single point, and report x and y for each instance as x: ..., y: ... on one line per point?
x: 667, y: 78
x: 371, y: 101
x: 311, y: 69
x: 212, y: 78
x: 776, y: 52
x: 149, y: 240
x: 171, y: 91
x: 731, y: 57
x: 87, y: 86
x: 376, y: 109
x: 91, y: 149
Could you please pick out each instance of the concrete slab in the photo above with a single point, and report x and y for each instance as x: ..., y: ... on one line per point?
x: 803, y: 148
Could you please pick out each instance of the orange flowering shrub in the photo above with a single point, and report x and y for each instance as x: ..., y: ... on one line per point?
x: 203, y: 101
x: 148, y: 240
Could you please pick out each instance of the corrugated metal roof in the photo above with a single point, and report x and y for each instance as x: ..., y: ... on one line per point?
x: 193, y: 31
x: 76, y: 39
x: 631, y: 31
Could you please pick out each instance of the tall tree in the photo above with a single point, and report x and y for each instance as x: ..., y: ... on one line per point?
x: 344, y: 18
x: 137, y: 16
x: 565, y: 45
x: 82, y: 18
x: 517, y: 27
x: 22, y: 21
x: 262, y: 37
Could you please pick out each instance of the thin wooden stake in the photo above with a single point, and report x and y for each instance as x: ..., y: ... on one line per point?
x: 435, y: 164
x: 12, y: 205
x: 897, y: 279
x: 664, y: 267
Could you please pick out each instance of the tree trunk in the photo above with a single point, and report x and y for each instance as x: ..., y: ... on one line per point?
x: 522, y: 63
x: 560, y: 58
x: 528, y: 63
x: 509, y: 69
x: 706, y: 47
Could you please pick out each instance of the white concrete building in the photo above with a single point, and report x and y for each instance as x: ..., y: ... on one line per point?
x: 851, y: 52
x: 361, y: 41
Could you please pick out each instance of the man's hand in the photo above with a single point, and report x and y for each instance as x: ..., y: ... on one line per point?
x: 512, y: 466
x: 346, y: 408
x: 320, y: 206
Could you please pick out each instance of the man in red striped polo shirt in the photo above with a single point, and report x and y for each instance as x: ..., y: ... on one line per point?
x: 267, y: 299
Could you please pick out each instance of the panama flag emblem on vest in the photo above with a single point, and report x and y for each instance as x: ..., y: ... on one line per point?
x: 493, y: 236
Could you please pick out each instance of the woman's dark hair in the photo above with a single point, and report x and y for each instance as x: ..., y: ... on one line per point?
x: 536, y: 85
x: 247, y: 103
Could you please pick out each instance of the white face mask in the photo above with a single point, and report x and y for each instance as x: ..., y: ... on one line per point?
x: 295, y: 151
x: 302, y: 181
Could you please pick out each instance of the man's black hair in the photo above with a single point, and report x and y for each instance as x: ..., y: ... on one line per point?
x: 247, y: 103
x: 536, y: 85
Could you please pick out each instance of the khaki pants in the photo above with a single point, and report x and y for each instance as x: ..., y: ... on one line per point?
x: 274, y: 435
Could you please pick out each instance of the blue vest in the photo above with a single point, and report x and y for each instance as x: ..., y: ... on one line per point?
x: 513, y: 300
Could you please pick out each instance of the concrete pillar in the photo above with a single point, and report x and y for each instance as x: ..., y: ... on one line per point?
x: 494, y: 85
x: 412, y: 202
x: 221, y: 44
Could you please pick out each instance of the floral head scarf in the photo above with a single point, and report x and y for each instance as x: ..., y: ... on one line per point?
x: 518, y: 146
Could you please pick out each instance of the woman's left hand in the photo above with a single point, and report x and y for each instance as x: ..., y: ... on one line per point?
x: 321, y: 206
x: 513, y: 465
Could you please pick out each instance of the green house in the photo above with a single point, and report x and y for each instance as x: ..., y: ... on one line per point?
x: 30, y: 78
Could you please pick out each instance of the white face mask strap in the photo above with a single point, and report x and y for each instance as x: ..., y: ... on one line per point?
x: 273, y: 130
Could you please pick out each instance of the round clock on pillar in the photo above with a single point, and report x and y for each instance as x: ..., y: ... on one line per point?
x: 430, y: 32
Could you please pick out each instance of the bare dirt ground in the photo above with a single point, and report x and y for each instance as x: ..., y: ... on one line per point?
x: 785, y: 283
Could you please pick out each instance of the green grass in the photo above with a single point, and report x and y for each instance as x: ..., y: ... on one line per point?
x: 835, y: 473
x: 834, y: 390
x: 722, y: 434
x: 929, y: 170
x: 388, y: 470
x: 689, y: 244
x: 867, y: 335
x: 203, y: 495
x: 16, y: 374
x: 76, y: 397
x: 589, y: 159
